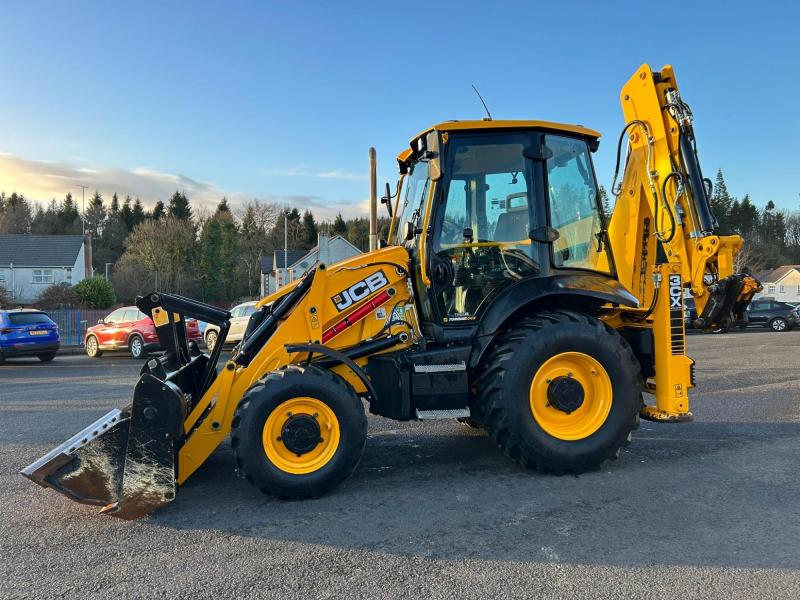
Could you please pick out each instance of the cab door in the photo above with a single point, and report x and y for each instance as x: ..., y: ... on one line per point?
x: 482, y: 222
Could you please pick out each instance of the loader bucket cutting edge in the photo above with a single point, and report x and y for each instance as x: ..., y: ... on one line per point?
x: 124, y: 461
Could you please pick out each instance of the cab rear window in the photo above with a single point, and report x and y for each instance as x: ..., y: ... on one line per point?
x: 28, y: 318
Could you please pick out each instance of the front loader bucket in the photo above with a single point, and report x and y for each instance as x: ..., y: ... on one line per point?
x: 124, y: 461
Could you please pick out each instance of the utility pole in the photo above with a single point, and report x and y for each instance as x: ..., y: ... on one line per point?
x: 83, y: 208
x: 286, y: 247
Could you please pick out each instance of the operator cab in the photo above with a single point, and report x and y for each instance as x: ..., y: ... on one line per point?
x: 488, y: 204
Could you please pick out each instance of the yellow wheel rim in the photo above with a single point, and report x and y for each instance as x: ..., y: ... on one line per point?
x: 294, y: 420
x: 583, y: 421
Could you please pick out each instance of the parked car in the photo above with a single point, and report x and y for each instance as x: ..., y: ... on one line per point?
x: 28, y: 332
x: 240, y: 315
x: 778, y: 316
x: 128, y: 328
x: 689, y: 313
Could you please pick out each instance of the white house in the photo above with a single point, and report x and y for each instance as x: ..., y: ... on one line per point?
x: 781, y: 284
x: 30, y: 263
x: 275, y: 273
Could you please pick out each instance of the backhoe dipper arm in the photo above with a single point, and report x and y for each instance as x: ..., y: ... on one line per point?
x: 663, y: 234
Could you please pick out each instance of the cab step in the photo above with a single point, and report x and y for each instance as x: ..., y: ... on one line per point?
x: 453, y: 413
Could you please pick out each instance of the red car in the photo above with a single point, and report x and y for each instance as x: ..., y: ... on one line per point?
x: 128, y: 328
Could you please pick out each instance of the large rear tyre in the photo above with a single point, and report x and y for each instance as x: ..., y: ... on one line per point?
x: 560, y: 392
x: 299, y: 432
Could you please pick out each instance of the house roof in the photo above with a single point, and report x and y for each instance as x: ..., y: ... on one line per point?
x: 268, y: 263
x: 296, y: 256
x: 24, y: 250
x: 776, y: 275
x: 316, y: 249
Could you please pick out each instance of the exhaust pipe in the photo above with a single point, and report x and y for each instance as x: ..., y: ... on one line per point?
x: 373, y: 200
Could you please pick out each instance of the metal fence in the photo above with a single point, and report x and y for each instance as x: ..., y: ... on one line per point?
x: 73, y: 322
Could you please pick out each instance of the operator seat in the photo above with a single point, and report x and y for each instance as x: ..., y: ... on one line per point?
x: 512, y: 225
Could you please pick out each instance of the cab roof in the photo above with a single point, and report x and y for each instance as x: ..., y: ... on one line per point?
x: 486, y: 124
x: 510, y: 124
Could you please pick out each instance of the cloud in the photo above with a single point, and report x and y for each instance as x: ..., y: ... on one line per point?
x: 42, y: 180
x: 303, y: 171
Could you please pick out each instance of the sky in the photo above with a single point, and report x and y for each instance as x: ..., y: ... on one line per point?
x: 281, y: 100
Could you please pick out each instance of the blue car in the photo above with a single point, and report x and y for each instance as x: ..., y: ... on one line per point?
x: 27, y: 332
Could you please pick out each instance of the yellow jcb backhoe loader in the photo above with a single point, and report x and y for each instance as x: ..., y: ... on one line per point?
x: 503, y: 297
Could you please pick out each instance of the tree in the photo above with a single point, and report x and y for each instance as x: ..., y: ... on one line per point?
x: 5, y: 297
x: 57, y: 295
x: 256, y: 220
x: 95, y: 292
x: 166, y: 249
x: 339, y: 226
x: 721, y: 204
x: 179, y: 206
x: 358, y: 232
x: 310, y: 230
x: 130, y: 278
x: 68, y: 215
x: 219, y: 255
x: 15, y: 214
x: 45, y: 221
x: 95, y: 216
x: 138, y: 215
x: 158, y: 211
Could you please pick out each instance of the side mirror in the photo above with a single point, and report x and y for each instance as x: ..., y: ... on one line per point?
x: 387, y: 199
x: 101, y: 321
x: 410, y: 231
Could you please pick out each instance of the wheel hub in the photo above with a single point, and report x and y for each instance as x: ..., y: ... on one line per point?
x: 301, y: 434
x: 566, y: 394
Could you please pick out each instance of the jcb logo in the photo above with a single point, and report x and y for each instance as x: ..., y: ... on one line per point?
x: 675, y: 292
x: 359, y: 291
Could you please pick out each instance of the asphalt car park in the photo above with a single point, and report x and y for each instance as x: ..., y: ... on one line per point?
x: 706, y: 509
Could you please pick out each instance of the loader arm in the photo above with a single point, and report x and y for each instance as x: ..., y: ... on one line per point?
x: 663, y: 235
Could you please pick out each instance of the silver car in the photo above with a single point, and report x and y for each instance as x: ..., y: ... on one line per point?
x: 240, y: 315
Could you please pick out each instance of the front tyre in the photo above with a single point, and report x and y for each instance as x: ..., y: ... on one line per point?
x: 46, y: 357
x: 298, y: 432
x: 560, y: 392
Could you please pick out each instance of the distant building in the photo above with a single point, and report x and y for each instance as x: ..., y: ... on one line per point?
x: 781, y: 284
x: 30, y: 263
x: 283, y: 268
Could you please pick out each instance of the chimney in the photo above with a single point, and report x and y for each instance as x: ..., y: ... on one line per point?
x: 87, y: 255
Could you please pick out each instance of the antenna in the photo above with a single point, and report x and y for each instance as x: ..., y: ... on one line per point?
x: 486, y: 108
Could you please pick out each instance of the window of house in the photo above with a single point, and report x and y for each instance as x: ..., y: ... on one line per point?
x: 3, y: 279
x: 770, y: 289
x: 781, y: 289
x: 798, y: 290
x: 43, y: 276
